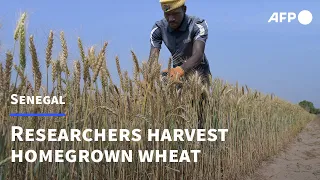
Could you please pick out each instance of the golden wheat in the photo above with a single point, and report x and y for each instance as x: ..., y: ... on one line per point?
x: 35, y: 65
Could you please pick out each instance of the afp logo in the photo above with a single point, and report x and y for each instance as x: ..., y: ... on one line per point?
x: 304, y: 17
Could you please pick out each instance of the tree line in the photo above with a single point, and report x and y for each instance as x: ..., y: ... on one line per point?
x: 308, y: 106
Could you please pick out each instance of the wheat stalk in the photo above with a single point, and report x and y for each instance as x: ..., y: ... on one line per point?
x: 1, y: 78
x: 20, y: 21
x: 22, y: 77
x: 54, y: 70
x: 136, y: 66
x: 64, y: 54
x: 119, y: 72
x: 101, y: 59
x: 22, y: 46
x: 8, y: 69
x: 49, y: 49
x: 35, y: 65
x: 92, y: 58
x: 49, y: 55
x: 77, y: 76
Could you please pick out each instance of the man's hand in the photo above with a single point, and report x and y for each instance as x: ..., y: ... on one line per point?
x: 175, y: 73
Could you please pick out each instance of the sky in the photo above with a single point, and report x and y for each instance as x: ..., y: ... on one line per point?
x: 280, y: 58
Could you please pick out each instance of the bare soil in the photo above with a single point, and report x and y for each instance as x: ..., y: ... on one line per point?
x: 299, y: 161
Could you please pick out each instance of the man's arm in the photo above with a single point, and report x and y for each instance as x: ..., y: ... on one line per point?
x: 196, y: 58
x: 154, y: 52
x: 155, y: 41
x: 201, y: 36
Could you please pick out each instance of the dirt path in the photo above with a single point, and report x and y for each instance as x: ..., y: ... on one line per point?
x: 300, y: 161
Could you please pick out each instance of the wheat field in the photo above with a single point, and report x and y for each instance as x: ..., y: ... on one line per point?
x: 259, y: 124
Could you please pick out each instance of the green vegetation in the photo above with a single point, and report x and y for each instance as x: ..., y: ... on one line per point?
x: 259, y: 124
x: 308, y: 106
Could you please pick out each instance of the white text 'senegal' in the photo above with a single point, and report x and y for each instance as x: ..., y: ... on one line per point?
x: 16, y: 99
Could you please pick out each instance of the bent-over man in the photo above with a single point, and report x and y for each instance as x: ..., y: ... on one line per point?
x: 185, y: 36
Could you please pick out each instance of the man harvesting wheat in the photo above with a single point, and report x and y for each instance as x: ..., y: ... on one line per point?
x: 185, y: 37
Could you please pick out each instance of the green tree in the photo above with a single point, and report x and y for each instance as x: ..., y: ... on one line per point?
x: 308, y: 106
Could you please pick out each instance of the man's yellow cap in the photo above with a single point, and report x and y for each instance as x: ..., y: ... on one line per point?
x: 168, y: 5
